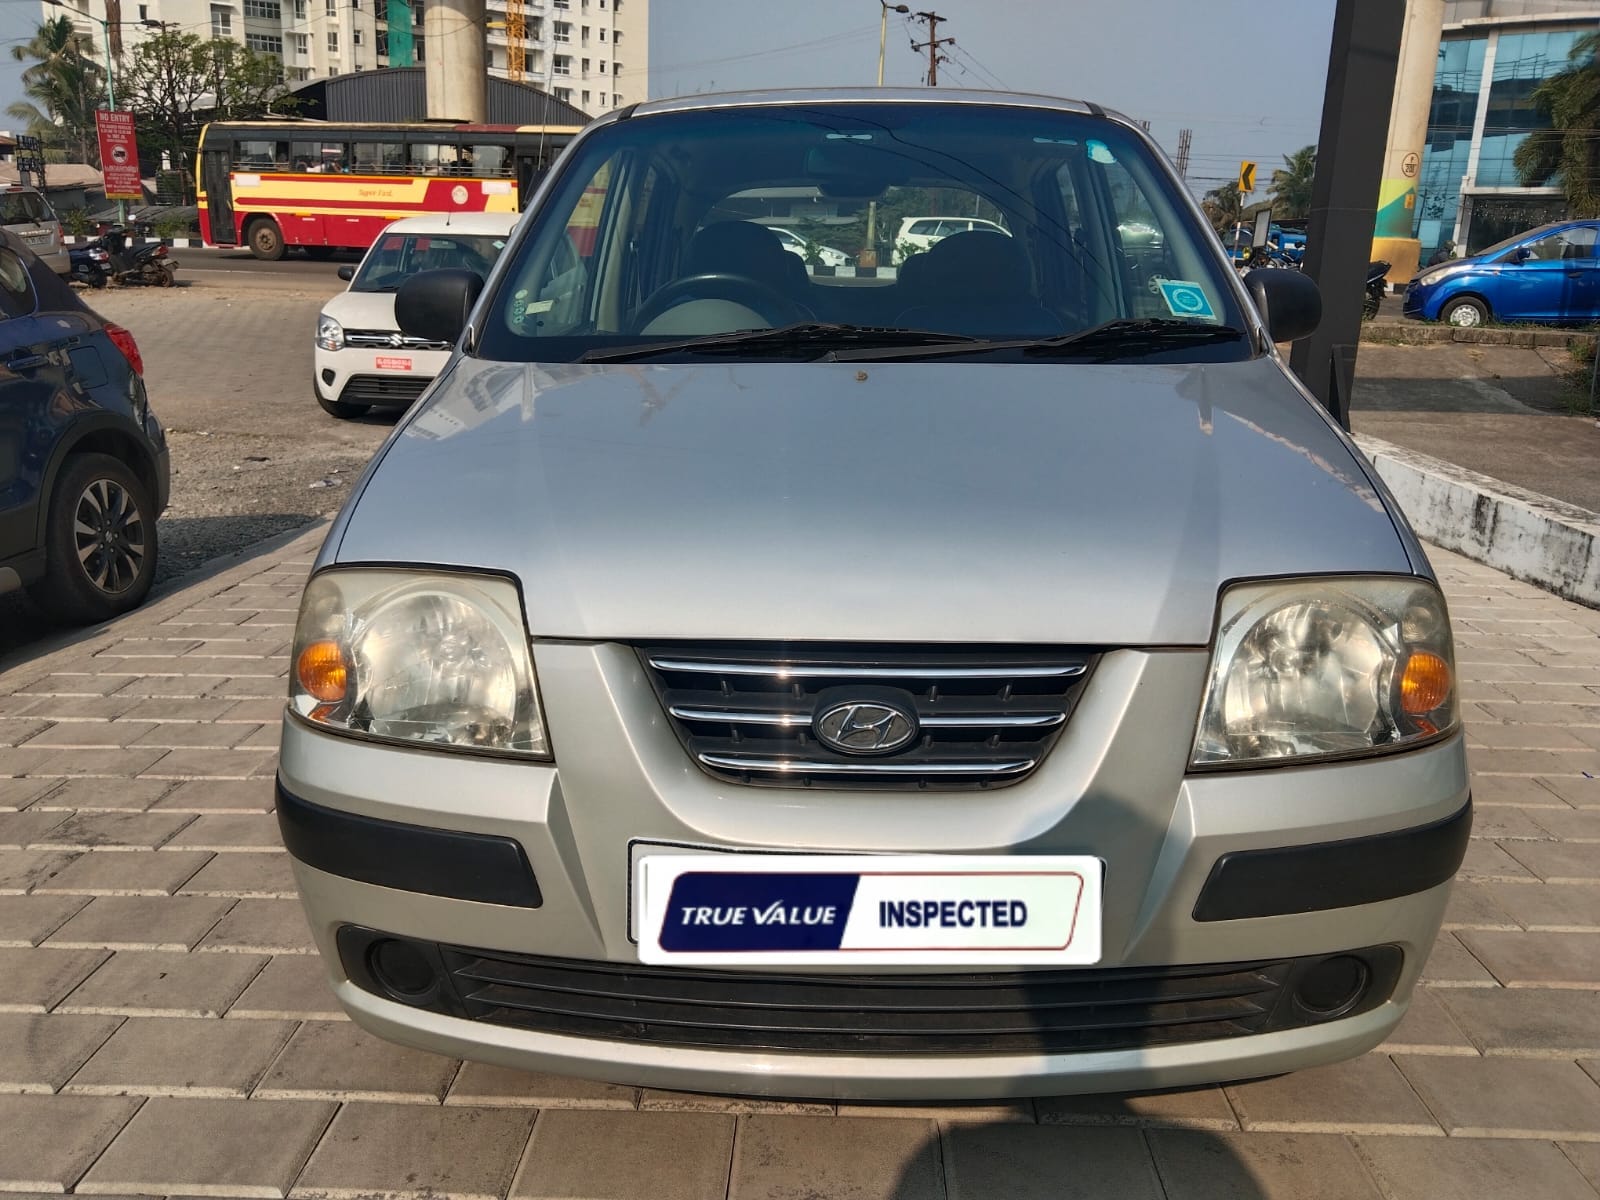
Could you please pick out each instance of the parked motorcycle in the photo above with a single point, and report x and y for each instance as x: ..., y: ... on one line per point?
x: 149, y: 264
x: 91, y: 265
x: 1377, y: 288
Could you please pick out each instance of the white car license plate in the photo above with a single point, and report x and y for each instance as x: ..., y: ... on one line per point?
x: 389, y: 362
x: 866, y: 910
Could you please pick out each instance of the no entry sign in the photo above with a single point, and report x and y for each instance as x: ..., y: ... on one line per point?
x: 119, y: 155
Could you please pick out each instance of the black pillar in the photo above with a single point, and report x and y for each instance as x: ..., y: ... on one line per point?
x: 1344, y: 204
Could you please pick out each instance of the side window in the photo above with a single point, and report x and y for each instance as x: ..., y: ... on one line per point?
x: 260, y: 155
x: 556, y: 299
x: 1577, y: 242
x: 379, y: 158
x: 318, y: 157
x: 924, y: 228
x: 16, y: 289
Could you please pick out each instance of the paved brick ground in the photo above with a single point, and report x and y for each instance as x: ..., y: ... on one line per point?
x: 164, y: 1029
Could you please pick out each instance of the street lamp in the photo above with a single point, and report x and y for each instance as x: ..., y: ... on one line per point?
x: 883, y: 41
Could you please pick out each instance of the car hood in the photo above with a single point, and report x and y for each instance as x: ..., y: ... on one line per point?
x: 363, y: 310
x: 931, y: 502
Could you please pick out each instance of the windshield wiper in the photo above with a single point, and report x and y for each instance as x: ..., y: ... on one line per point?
x: 800, y: 336
x: 1126, y: 337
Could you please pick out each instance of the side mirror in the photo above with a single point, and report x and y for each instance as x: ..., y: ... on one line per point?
x: 1289, y: 301
x: 1521, y: 254
x: 347, y: 273
x: 435, y: 305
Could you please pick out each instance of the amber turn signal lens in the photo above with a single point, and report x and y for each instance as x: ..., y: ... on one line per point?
x: 322, y: 671
x: 1426, y: 683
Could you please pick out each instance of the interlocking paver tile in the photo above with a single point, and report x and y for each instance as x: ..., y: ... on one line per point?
x: 394, y: 1150
x: 1364, y: 1095
x: 261, y: 875
x: 192, y: 735
x: 18, y: 794
x: 1509, y: 823
x: 14, y: 731
x: 847, y: 1156
x: 156, y: 983
x: 1493, y: 790
x: 84, y: 795
x: 1576, y: 792
x: 487, y: 1085
x: 114, y: 830
x: 1427, y: 1028
x: 182, y: 1056
x: 1018, y: 1112
x: 1450, y: 964
x: 262, y: 927
x: 181, y: 1146
x: 1472, y: 906
x: 230, y: 831
x: 91, y: 735
x: 1432, y: 1169
x: 657, y: 1099
x: 1538, y: 959
x: 1586, y: 1157
x: 47, y: 1142
x: 103, y: 764
x: 1490, y: 860
x: 205, y: 764
x: 22, y: 870
x: 1031, y: 1163
x: 118, y: 873
x: 1551, y: 907
x: 173, y: 709
x: 1554, y: 862
x: 621, y: 1155
x: 1569, y: 825
x: 36, y: 979
x: 1188, y: 1108
x: 142, y: 922
x: 290, y: 986
x: 19, y: 829
x: 28, y: 920
x: 38, y: 1053
x: 1536, y: 1022
x: 219, y: 796
x: 1260, y: 1166
x: 1506, y: 1097
x: 338, y: 1060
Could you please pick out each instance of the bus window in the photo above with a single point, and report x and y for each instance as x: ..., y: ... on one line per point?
x: 261, y: 156
x: 318, y: 156
x: 433, y: 158
x: 490, y: 162
x: 379, y: 158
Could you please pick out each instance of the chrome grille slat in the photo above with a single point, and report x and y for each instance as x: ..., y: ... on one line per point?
x: 383, y: 339
x: 985, y: 716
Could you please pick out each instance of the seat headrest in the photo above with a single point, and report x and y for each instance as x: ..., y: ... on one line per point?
x: 978, y: 261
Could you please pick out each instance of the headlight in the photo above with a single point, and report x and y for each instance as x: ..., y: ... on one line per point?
x: 1326, y: 668
x: 419, y: 657
x: 330, y: 334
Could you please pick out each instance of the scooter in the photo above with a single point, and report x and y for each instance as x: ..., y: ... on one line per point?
x: 91, y: 265
x: 1377, y: 288
x: 147, y: 264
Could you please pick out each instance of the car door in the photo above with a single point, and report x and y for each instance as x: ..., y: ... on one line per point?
x: 1531, y: 283
x: 29, y: 379
x: 1580, y: 262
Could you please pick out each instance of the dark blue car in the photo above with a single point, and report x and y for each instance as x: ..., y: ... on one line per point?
x: 1550, y: 274
x: 83, y: 460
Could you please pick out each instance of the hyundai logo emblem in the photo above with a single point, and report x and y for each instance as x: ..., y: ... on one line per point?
x: 865, y: 727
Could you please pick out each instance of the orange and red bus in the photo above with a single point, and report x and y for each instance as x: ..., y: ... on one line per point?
x: 270, y: 185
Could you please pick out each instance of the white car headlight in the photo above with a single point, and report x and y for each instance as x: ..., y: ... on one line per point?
x: 434, y: 658
x: 330, y: 334
x: 1326, y: 668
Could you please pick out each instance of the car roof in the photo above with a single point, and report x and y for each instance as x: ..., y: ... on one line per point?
x: 439, y: 224
x: 869, y: 95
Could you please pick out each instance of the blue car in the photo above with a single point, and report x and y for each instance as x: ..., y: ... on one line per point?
x: 1550, y: 274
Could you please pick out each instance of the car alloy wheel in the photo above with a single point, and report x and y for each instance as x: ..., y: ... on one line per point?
x: 109, y: 534
x: 1464, y: 314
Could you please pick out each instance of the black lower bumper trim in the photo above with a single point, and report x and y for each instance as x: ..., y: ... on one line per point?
x: 1363, y: 870
x: 410, y: 858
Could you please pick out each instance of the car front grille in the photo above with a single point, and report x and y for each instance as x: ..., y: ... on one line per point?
x: 384, y: 339
x: 1015, y: 1012
x: 983, y: 718
x: 388, y: 390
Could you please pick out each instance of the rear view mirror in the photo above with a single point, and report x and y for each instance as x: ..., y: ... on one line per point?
x: 435, y: 305
x: 347, y: 273
x: 1290, y: 302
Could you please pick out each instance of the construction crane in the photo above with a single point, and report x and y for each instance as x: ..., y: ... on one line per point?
x: 516, y: 40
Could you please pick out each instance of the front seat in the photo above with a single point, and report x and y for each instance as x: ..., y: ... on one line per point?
x: 745, y: 248
x: 978, y: 283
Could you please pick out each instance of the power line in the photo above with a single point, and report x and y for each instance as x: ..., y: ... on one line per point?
x: 932, y: 20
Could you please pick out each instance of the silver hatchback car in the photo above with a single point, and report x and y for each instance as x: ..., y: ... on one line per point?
x: 988, y: 676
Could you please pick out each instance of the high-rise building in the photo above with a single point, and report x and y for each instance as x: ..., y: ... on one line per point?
x: 593, y: 54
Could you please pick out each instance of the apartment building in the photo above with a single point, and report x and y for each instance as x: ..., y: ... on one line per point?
x: 593, y: 54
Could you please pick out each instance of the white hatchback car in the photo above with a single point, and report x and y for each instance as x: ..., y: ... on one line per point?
x: 363, y: 361
x: 827, y: 256
x: 917, y: 234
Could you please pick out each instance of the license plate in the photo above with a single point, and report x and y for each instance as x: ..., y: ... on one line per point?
x: 866, y: 910
x: 386, y: 363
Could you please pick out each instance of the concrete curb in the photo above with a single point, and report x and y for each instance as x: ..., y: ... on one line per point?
x: 1538, y: 539
x: 1417, y: 333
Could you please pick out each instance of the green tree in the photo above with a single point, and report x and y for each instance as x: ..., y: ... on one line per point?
x: 1292, y: 183
x: 64, y: 86
x: 1223, y: 205
x: 175, y: 82
x: 1567, y: 152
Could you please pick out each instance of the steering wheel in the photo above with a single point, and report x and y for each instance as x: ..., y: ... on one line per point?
x: 774, y: 307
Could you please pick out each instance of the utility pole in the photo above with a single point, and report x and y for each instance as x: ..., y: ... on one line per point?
x: 1184, y: 136
x: 932, y: 45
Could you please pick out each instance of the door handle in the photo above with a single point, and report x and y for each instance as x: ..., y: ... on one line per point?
x: 27, y: 362
x: 1576, y: 274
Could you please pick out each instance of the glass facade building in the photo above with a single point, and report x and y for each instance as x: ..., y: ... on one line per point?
x: 1493, y: 54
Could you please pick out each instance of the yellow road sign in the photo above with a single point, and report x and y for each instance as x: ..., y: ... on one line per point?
x: 1247, y: 177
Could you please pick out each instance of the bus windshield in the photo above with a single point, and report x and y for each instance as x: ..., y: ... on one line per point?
x: 398, y: 256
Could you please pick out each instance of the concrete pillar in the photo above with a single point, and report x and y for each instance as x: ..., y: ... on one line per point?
x: 1392, y: 240
x: 458, y: 83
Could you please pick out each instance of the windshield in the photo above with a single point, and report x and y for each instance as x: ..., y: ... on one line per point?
x: 985, y: 221
x: 397, y: 256
x: 23, y: 208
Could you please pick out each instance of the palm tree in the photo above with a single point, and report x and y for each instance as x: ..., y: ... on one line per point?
x: 1291, y: 185
x: 64, y: 87
x: 1569, y: 149
x: 1223, y: 205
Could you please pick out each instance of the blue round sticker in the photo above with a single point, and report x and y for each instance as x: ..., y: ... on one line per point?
x: 1186, y: 299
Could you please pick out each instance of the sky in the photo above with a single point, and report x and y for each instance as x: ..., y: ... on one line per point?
x: 18, y: 20
x: 1243, y: 75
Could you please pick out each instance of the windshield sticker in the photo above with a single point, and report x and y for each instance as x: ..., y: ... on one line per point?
x: 1187, y: 299
x: 1101, y: 153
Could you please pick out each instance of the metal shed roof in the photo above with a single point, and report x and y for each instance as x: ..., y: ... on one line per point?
x: 401, y: 94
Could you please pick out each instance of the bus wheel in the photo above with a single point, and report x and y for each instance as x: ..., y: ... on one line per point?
x: 266, y: 240
x: 320, y: 253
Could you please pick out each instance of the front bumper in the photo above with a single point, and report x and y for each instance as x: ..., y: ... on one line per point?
x: 359, y: 375
x: 1113, y: 786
